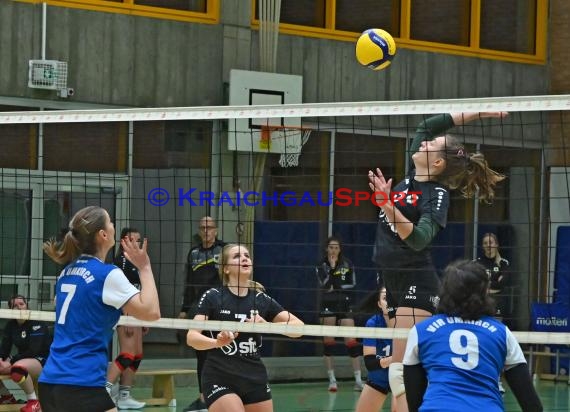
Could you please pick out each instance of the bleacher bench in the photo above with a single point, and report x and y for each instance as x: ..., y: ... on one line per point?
x: 534, y: 358
x: 163, y: 393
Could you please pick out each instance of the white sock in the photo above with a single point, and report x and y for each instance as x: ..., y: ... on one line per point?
x: 108, y: 386
x: 124, y: 391
x: 358, y: 376
x: 331, y: 376
x: 32, y: 396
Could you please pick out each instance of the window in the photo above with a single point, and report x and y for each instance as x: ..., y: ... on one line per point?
x: 186, y: 5
x: 18, y: 142
x: 507, y: 25
x: 513, y: 30
x: 178, y: 144
x: 371, y: 13
x: 202, y: 11
x: 86, y: 147
x: 304, y: 12
x: 440, y: 21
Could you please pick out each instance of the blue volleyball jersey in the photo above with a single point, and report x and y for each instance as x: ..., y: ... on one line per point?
x: 463, y: 360
x: 89, y: 297
x: 383, y: 349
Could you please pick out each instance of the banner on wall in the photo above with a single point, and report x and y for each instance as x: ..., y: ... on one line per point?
x: 550, y: 317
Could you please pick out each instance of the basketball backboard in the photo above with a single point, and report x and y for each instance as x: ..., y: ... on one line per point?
x: 261, y: 88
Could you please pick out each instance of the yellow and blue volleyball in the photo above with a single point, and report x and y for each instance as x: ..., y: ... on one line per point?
x: 375, y: 49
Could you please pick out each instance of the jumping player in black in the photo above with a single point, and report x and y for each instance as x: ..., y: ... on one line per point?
x: 201, y: 275
x: 234, y: 377
x: 32, y: 340
x: 406, y: 227
x: 337, y: 278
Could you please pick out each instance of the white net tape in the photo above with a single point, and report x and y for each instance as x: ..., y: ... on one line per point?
x: 402, y: 107
x: 549, y: 338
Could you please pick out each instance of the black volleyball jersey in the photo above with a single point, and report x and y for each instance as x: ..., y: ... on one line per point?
x: 130, y: 270
x: 32, y: 339
x: 201, y: 272
x: 495, y: 271
x: 422, y: 198
x: 242, y: 354
x: 341, y: 277
x: 432, y: 199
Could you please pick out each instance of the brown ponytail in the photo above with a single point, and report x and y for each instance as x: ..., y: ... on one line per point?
x: 80, y: 237
x: 468, y: 172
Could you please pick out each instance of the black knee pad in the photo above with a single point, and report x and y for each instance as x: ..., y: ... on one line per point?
x: 124, y: 360
x: 137, y: 362
x: 328, y: 348
x: 354, y: 348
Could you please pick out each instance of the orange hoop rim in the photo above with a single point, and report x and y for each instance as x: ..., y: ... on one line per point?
x: 280, y: 127
x: 267, y: 129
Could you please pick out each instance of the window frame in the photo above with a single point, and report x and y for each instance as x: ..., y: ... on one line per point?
x: 404, y: 40
x: 211, y: 16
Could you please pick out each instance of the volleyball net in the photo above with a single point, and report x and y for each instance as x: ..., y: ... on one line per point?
x: 281, y: 187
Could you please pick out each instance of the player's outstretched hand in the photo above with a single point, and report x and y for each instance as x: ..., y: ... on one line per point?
x: 136, y: 254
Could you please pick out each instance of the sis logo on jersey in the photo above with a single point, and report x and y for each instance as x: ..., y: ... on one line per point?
x: 247, y: 347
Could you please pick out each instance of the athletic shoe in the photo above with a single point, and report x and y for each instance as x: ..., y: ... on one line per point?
x: 332, y: 386
x: 7, y: 399
x: 129, y: 403
x: 197, y: 406
x: 33, y: 405
x: 358, y: 386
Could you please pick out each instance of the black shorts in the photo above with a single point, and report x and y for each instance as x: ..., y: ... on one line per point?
x: 337, y: 304
x: 42, y: 360
x: 214, y: 387
x: 68, y: 398
x: 411, y: 289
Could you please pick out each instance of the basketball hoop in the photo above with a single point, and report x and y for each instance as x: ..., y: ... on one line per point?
x: 287, y: 140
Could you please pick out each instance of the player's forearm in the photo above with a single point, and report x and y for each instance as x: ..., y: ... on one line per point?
x: 198, y: 341
x: 149, y: 308
x: 431, y: 128
x: 520, y: 383
x: 399, y: 222
x: 422, y: 234
x: 295, y: 321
